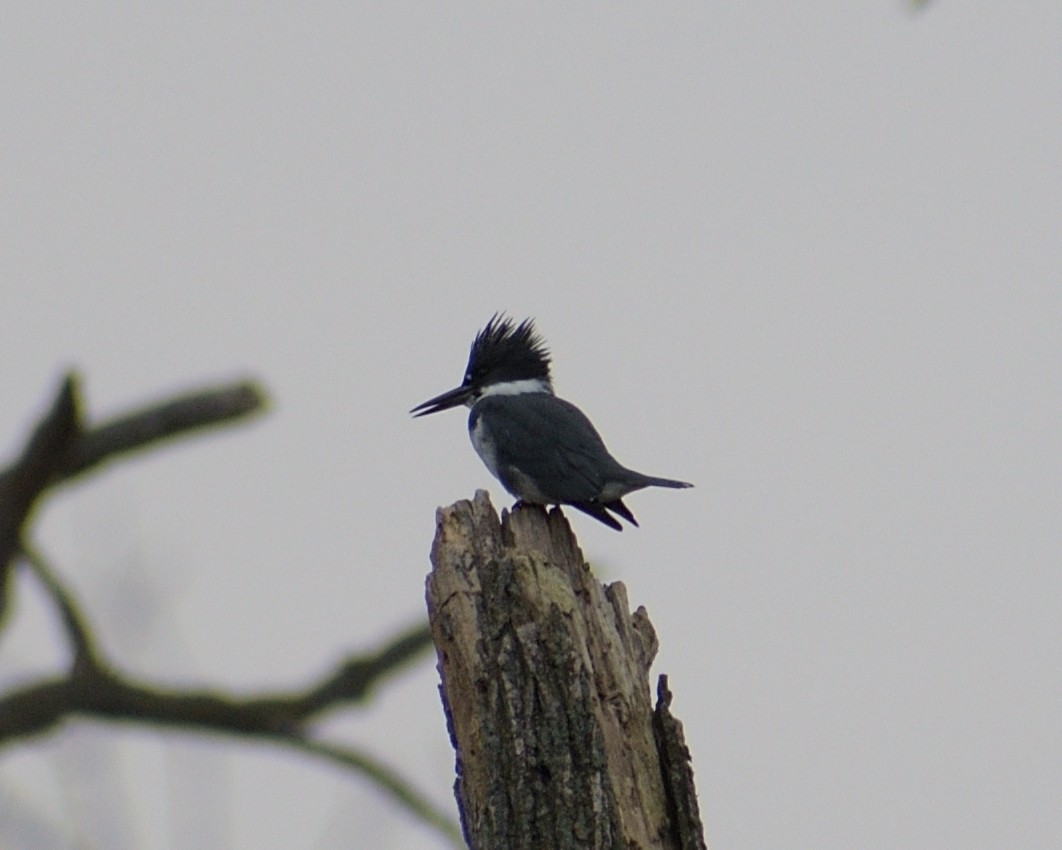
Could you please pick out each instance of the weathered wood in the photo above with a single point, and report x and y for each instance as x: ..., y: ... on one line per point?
x: 678, y: 773
x: 546, y: 692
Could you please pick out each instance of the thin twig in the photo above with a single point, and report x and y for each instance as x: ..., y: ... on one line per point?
x: 77, y: 632
x: 354, y: 677
x: 400, y: 790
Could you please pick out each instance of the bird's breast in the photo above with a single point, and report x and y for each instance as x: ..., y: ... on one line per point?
x: 483, y: 442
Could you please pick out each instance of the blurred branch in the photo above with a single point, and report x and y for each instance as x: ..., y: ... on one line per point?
x: 174, y: 417
x: 22, y: 483
x: 77, y: 632
x: 387, y: 779
x: 94, y: 688
x: 61, y: 447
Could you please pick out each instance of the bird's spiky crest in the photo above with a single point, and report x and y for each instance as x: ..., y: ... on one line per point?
x: 506, y: 351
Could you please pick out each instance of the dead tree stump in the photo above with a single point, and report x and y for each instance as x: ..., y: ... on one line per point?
x: 546, y: 692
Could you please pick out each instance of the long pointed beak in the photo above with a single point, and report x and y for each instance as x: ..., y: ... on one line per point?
x: 451, y: 398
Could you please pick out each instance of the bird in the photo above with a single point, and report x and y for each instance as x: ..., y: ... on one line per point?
x: 543, y: 449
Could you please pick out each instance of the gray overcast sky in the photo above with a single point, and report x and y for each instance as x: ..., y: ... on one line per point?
x: 806, y: 258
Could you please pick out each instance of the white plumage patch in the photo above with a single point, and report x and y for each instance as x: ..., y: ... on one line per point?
x: 528, y: 385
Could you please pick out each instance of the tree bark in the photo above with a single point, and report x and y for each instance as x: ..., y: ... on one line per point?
x: 546, y: 691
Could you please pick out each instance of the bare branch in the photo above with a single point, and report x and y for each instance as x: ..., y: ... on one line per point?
x: 76, y: 630
x: 354, y: 678
x: 24, y: 481
x: 60, y: 449
x: 171, y: 418
x: 96, y: 692
x: 94, y: 689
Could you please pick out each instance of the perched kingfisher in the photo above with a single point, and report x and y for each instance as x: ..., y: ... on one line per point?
x: 541, y: 448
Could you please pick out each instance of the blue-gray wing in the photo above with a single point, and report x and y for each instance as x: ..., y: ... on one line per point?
x: 549, y: 441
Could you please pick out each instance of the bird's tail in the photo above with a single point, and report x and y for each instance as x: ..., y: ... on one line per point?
x: 651, y: 481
